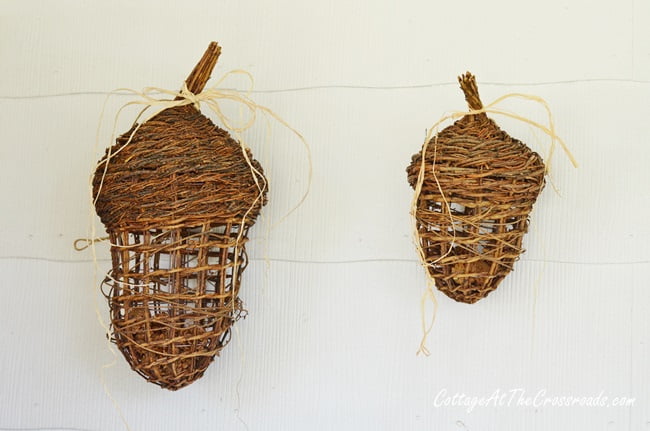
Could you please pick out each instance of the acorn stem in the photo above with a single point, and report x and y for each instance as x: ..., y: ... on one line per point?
x: 201, y: 73
x: 469, y: 87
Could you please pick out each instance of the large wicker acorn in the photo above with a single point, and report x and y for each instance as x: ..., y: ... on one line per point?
x: 177, y: 203
x: 472, y: 212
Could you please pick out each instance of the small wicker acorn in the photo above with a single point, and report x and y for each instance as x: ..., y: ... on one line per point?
x: 177, y: 201
x: 471, y: 214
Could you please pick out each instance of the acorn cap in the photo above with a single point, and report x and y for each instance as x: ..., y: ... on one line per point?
x: 476, y: 143
x: 178, y: 169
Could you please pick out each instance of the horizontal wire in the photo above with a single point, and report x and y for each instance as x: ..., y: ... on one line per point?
x: 339, y: 262
x: 44, y: 429
x: 355, y: 87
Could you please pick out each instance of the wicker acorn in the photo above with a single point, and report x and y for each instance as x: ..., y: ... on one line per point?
x: 177, y: 202
x: 472, y: 212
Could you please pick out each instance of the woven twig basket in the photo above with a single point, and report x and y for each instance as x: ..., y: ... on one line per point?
x: 177, y: 202
x: 472, y: 212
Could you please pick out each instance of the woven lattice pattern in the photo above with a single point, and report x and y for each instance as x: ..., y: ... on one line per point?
x: 177, y: 196
x: 173, y: 298
x: 472, y: 220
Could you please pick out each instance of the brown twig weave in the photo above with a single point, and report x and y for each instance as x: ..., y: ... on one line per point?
x: 177, y: 202
x: 472, y: 213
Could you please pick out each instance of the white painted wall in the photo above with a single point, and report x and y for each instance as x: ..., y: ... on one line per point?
x: 334, y: 319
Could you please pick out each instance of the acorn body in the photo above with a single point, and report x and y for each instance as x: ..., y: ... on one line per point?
x: 177, y: 197
x: 479, y: 187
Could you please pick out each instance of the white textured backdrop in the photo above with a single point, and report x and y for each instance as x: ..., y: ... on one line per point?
x: 330, y: 340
